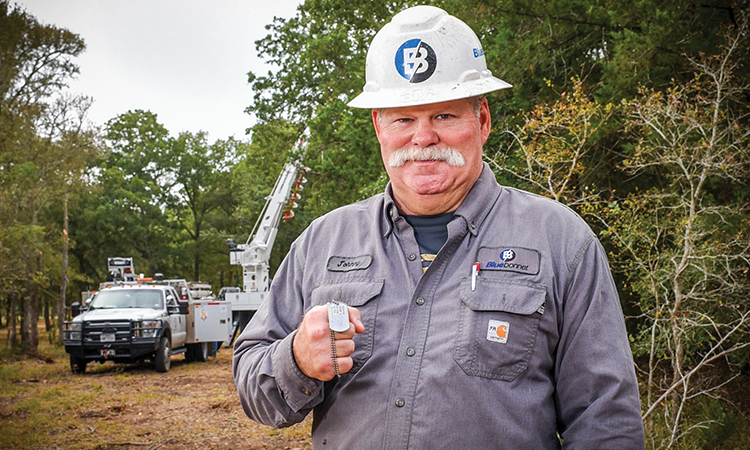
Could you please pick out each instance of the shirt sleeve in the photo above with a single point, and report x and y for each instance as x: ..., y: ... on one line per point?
x: 272, y: 389
x: 597, y: 391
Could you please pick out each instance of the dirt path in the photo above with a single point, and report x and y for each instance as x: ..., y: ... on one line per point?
x: 124, y: 407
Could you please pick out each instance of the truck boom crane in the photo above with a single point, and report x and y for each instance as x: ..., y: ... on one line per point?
x: 255, y: 253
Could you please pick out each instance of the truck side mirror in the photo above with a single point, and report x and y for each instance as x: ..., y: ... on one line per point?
x: 184, y: 307
x: 75, y: 309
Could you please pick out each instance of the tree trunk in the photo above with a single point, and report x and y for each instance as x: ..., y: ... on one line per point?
x: 47, y: 313
x: 29, y: 328
x: 26, y: 317
x: 12, y: 320
x: 33, y: 317
x: 64, y: 277
x: 196, y: 254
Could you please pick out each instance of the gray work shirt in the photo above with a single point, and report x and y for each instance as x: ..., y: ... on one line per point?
x: 533, y: 348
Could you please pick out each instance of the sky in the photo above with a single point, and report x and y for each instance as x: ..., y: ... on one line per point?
x: 184, y: 60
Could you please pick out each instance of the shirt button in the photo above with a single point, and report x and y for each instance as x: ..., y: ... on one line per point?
x: 400, y: 402
x: 420, y: 301
x: 412, y: 257
x: 410, y: 351
x: 307, y: 392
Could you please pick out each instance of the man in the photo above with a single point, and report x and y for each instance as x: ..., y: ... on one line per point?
x: 478, y: 316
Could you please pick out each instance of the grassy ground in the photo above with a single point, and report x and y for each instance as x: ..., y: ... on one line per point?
x: 193, y: 406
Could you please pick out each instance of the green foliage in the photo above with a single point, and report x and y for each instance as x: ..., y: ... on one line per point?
x: 684, y: 245
x: 35, y: 59
x: 44, y: 145
x: 125, y: 216
x: 201, y: 191
x: 320, y: 54
x: 556, y: 149
x: 717, y: 426
x: 166, y: 201
x: 611, y: 49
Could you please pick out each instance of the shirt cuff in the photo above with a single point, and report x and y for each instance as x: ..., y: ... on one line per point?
x: 299, y: 390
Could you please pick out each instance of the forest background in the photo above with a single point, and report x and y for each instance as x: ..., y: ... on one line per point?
x: 635, y: 114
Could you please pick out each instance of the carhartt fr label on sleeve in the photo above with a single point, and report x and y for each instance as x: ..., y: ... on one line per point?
x: 509, y: 259
x: 348, y: 263
x: 497, y: 331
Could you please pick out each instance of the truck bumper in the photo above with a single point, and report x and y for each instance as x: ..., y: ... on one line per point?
x: 120, y: 352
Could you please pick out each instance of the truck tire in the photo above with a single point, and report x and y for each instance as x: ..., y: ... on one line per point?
x: 162, y: 362
x: 197, y: 352
x: 201, y: 351
x: 77, y: 365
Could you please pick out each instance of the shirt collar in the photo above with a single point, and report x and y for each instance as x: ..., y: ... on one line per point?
x: 473, y: 209
x: 480, y: 200
x: 390, y: 211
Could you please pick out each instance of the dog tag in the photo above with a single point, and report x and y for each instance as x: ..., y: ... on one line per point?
x: 338, y: 316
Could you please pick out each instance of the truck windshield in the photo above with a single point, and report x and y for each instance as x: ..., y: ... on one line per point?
x: 121, y: 298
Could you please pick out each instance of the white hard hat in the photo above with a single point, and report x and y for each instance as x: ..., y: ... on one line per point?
x: 424, y: 56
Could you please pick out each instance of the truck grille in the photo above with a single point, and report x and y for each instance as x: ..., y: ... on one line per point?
x: 93, y: 331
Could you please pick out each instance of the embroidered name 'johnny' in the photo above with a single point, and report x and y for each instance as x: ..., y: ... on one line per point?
x: 509, y: 259
x: 348, y: 263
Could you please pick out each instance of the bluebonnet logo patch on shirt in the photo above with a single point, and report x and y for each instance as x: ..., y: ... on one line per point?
x: 348, y: 263
x: 509, y: 259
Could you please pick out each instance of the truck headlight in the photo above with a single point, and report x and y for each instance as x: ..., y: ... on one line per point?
x: 147, y: 328
x: 72, y: 331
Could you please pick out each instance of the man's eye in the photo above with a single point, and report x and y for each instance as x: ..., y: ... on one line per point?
x: 443, y: 116
x: 403, y: 120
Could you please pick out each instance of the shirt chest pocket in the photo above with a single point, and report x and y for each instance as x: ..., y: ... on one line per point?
x: 498, y: 324
x: 358, y: 293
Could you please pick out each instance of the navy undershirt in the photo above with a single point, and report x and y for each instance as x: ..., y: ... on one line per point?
x: 431, y: 233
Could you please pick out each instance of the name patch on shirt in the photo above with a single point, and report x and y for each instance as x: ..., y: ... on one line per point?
x: 348, y: 263
x: 509, y: 259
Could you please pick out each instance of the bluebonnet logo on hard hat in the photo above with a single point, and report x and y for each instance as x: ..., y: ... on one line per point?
x: 415, y: 60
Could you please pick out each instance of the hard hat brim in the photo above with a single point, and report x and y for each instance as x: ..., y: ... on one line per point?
x: 397, y: 98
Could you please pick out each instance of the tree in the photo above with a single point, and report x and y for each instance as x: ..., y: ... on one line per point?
x: 201, y: 187
x: 321, y: 54
x: 42, y: 148
x: 122, y: 212
x: 137, y: 183
x: 675, y: 219
x: 168, y: 202
x: 557, y: 147
x: 685, y: 242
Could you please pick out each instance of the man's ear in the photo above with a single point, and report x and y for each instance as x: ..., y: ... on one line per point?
x: 375, y: 122
x: 485, y: 120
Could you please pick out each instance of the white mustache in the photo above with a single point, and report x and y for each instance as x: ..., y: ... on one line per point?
x: 449, y: 155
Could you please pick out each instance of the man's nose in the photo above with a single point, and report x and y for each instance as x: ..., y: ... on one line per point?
x: 424, y: 134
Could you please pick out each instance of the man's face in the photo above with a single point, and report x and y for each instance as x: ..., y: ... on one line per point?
x: 432, y: 153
